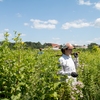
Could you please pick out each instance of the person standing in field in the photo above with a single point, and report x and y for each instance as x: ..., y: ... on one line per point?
x: 40, y: 51
x: 67, y: 64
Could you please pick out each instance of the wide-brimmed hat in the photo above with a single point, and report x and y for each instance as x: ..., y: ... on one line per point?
x: 67, y: 46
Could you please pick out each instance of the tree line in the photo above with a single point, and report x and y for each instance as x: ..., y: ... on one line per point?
x: 37, y: 45
x: 32, y: 45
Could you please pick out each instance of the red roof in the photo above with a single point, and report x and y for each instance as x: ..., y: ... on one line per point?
x: 55, y: 45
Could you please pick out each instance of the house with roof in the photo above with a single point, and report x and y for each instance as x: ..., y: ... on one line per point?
x: 55, y: 46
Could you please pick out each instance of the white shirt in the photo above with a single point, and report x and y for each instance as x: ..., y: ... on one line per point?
x: 67, y: 64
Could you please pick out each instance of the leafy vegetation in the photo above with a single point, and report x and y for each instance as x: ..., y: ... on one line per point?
x: 26, y: 75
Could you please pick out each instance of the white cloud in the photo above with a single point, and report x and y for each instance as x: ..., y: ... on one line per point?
x: 75, y: 24
x: 97, y: 23
x: 82, y: 2
x: 38, y: 24
x: 52, y: 21
x: 89, y: 41
x: 26, y: 24
x: 95, y: 40
x: 97, y: 6
x: 6, y: 30
x: 23, y: 34
x: 56, y: 40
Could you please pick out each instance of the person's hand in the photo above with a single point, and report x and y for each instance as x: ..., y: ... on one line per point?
x: 74, y: 74
x: 76, y: 54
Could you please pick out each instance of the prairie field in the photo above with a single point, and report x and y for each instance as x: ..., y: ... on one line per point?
x: 27, y: 75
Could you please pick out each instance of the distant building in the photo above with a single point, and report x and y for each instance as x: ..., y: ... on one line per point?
x: 55, y: 46
x: 80, y: 46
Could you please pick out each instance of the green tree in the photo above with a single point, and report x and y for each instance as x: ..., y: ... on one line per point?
x: 91, y: 45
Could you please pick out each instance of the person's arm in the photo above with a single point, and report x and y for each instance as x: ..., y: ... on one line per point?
x: 76, y: 62
x: 62, y: 65
x: 76, y: 59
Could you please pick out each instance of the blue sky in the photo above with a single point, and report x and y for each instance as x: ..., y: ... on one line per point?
x: 51, y: 21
